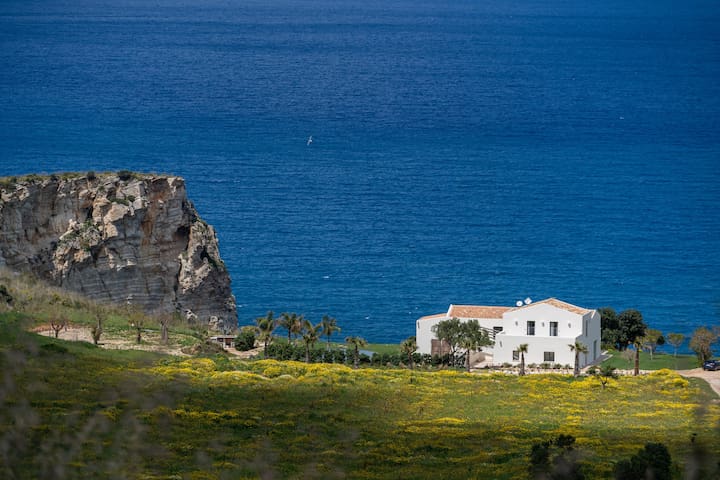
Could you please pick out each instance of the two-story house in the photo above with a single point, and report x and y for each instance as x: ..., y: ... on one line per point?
x: 548, y: 328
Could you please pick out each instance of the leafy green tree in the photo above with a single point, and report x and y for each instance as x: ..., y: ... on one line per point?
x: 246, y: 339
x: 310, y: 335
x: 675, y: 339
x: 329, y: 326
x: 578, y: 348
x: 357, y: 343
x: 652, y: 462
x: 450, y: 332
x: 609, y: 328
x: 651, y: 340
x: 265, y: 326
x: 522, y: 349
x: 472, y: 338
x: 409, y: 347
x: 701, y: 343
x: 632, y: 329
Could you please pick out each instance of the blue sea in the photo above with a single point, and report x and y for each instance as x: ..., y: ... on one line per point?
x: 474, y: 151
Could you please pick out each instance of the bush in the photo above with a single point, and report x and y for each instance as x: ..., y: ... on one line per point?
x: 246, y: 339
x: 653, y: 461
x: 5, y: 296
x: 91, y: 175
x: 125, y: 175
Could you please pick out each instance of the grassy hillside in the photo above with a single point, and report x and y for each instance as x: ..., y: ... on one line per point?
x: 71, y: 410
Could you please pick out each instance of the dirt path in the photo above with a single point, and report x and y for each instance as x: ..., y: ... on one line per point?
x: 713, y: 378
x: 151, y: 342
x: 82, y: 334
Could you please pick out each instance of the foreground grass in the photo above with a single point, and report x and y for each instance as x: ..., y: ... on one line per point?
x: 70, y: 410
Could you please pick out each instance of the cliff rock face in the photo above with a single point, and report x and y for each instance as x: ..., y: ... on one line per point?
x: 119, y: 238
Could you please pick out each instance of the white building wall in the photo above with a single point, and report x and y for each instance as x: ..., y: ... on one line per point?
x: 542, y: 314
x: 537, y: 346
x: 424, y: 333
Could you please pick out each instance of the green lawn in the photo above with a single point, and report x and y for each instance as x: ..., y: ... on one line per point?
x: 71, y: 410
x: 660, y: 360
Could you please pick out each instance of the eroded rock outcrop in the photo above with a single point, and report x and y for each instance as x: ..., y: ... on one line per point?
x: 118, y: 238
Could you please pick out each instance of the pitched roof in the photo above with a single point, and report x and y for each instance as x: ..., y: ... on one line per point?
x: 476, y: 311
x: 559, y: 304
x: 432, y: 317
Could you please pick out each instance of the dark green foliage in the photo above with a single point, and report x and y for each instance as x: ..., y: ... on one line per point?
x: 91, y: 175
x: 564, y: 464
x: 631, y: 326
x: 121, y: 201
x: 652, y: 462
x: 609, y: 328
x: 245, y: 340
x: 53, y: 348
x: 125, y: 175
x: 5, y: 296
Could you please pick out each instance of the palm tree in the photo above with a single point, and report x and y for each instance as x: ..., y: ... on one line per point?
x: 310, y: 335
x: 523, y: 350
x: 292, y: 323
x: 265, y: 326
x: 578, y: 348
x: 408, y: 347
x: 329, y: 326
x: 356, y: 342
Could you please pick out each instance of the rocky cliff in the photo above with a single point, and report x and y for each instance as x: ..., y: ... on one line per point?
x: 120, y: 238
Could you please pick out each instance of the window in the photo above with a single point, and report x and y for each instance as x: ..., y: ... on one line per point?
x: 553, y: 329
x: 531, y: 327
x: 549, y: 356
x: 516, y: 355
x: 498, y: 329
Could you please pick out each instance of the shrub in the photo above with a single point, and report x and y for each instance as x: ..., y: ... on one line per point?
x: 246, y: 339
x: 653, y: 461
x: 125, y: 175
x: 91, y: 175
x: 5, y: 296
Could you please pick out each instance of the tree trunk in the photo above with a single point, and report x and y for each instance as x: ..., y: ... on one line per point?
x: 467, y: 360
x: 307, y: 354
x: 357, y: 356
x: 637, y: 362
x: 410, y: 361
x: 522, y: 364
x: 139, y: 336
x: 576, y: 370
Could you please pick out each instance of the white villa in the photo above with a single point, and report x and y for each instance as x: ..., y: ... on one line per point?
x: 548, y: 327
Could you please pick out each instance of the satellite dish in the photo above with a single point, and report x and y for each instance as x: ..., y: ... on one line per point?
x: 519, y: 303
x: 528, y: 301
